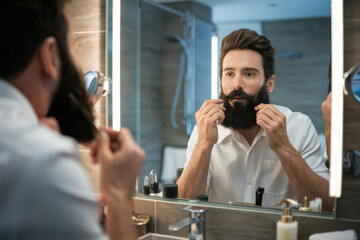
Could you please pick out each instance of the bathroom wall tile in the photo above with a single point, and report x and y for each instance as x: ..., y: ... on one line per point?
x: 90, y: 51
x: 346, y: 207
x: 87, y: 15
x: 351, y: 8
x: 301, y: 83
x: 167, y: 214
x: 235, y: 223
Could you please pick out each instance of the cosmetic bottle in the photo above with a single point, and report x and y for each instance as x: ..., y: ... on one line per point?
x: 146, y: 188
x: 154, y: 185
x: 287, y: 227
x: 170, y: 190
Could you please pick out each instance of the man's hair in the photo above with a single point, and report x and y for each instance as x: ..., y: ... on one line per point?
x: 248, y: 39
x: 24, y: 25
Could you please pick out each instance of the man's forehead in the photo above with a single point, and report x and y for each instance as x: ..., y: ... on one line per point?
x: 244, y: 59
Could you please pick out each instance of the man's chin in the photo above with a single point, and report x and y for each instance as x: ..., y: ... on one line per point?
x: 241, y: 102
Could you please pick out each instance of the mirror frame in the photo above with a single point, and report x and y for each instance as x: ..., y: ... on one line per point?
x: 113, y: 8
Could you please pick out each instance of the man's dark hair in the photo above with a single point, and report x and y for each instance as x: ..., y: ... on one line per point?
x: 25, y: 24
x: 248, y: 39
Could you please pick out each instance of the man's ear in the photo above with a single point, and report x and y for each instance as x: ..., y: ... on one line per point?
x: 271, y: 84
x: 49, y: 58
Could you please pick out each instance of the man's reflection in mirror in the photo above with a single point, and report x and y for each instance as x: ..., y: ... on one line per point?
x: 242, y: 142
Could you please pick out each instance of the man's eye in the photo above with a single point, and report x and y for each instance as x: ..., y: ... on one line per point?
x: 229, y: 74
x: 250, y: 74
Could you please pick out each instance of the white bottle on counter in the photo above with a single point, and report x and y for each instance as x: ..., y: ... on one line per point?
x: 286, y: 228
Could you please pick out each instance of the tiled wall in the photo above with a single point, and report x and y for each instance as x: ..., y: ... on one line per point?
x: 87, y: 20
x: 301, y: 82
x: 348, y: 205
x: 235, y: 223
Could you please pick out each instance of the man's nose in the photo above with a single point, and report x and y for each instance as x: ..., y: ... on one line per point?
x: 238, y: 83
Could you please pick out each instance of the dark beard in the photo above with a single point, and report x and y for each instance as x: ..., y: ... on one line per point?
x: 71, y: 119
x: 243, y: 116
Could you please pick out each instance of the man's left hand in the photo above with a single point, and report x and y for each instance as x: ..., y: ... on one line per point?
x: 274, y: 124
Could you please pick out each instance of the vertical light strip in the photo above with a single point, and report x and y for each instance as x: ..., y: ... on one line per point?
x: 337, y: 103
x: 116, y: 121
x: 214, y: 67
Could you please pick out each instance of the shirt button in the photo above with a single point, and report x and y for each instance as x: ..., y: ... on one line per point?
x: 250, y: 183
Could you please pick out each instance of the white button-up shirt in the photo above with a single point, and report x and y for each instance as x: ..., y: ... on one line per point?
x: 237, y: 169
x: 45, y: 192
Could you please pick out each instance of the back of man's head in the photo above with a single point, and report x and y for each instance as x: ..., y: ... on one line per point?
x: 248, y: 39
x: 24, y: 24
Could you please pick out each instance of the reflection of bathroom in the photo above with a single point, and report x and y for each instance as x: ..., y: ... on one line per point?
x: 228, y: 222
x: 302, y: 61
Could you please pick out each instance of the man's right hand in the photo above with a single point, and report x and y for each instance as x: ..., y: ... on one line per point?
x: 326, y: 110
x: 210, y: 114
x: 120, y: 161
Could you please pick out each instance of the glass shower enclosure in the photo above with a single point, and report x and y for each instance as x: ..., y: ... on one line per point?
x: 173, y: 76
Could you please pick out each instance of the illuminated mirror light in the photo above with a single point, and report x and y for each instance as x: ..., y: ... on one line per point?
x: 337, y: 71
x: 116, y: 121
x: 214, y: 67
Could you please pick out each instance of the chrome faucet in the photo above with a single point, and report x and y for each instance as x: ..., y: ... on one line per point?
x: 196, y: 223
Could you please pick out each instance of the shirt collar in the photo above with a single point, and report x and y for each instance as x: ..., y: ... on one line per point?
x: 225, y: 132
x: 9, y: 92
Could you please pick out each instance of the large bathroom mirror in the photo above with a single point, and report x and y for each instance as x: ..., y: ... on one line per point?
x: 158, y: 97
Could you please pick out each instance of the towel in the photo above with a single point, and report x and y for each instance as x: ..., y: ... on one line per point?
x: 173, y: 159
x: 343, y: 235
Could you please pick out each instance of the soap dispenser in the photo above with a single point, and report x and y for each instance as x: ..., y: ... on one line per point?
x: 287, y: 228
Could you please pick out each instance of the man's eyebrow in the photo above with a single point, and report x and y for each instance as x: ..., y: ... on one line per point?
x: 228, y: 68
x: 243, y: 69
x: 251, y: 69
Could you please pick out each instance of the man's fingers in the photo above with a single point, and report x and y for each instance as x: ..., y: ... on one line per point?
x: 110, y: 132
x: 268, y: 107
x: 217, y: 117
x: 212, y: 101
x: 268, y: 112
x: 102, y: 146
x: 264, y: 120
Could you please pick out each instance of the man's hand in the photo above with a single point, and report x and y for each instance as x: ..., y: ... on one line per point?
x: 274, y: 124
x: 210, y: 114
x: 51, y: 123
x: 120, y: 161
x: 326, y: 110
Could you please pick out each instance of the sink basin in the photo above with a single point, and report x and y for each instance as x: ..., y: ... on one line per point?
x: 156, y: 236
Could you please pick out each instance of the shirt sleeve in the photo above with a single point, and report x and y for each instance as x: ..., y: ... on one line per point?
x: 190, y: 149
x: 311, y: 150
x: 60, y: 202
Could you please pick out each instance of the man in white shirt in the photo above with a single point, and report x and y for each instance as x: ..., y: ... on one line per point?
x: 45, y: 192
x: 257, y: 144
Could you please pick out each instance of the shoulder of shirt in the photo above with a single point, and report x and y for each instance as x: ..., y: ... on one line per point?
x: 290, y: 114
x: 39, y: 143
